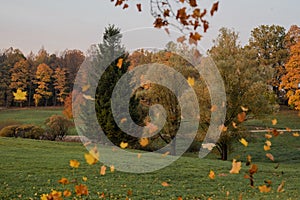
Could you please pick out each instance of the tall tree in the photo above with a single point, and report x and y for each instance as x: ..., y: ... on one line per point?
x: 43, y: 80
x: 106, y: 53
x: 292, y: 36
x: 245, y: 84
x: 269, y: 44
x: 60, y: 84
x: 291, y: 80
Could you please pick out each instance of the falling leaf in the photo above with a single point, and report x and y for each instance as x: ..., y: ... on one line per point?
x: 90, y: 159
x: 223, y: 128
x: 244, y: 142
x: 167, y: 13
x: 288, y: 129
x: 208, y: 146
x: 211, y: 174
x: 241, y: 117
x: 275, y: 132
x: 139, y: 155
x: 19, y: 95
x: 267, y: 148
x: 268, y: 136
x: 194, y: 37
x: 120, y: 63
x: 103, y: 170
x: 214, y: 108
x: 234, y: 125
x: 165, y: 154
x: 191, y: 81
x: 88, y: 97
x: 125, y: 6
x: 274, y: 122
x: 67, y: 193
x: 244, y: 109
x: 181, y: 39
x: 144, y: 142
x: 236, y: 167
x: 270, y: 156
x: 64, y: 181
x: 253, y: 169
x: 139, y: 7
x: 296, y: 134
x: 112, y: 169
x: 214, y: 8
x: 280, y: 187
x: 74, y: 163
x: 268, y: 143
x: 123, y: 120
x: 248, y: 160
x: 123, y: 145
x: 165, y: 184
x: 85, y: 88
x: 193, y: 3
x: 264, y: 189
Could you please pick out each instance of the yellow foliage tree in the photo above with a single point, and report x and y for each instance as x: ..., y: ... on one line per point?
x: 291, y: 80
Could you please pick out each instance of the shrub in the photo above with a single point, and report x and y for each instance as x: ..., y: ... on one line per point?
x: 8, y: 131
x: 24, y: 131
x: 57, y: 127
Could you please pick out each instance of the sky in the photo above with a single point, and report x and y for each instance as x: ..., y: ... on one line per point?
x: 57, y: 25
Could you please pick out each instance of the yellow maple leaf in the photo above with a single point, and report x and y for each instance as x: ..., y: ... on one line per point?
x: 123, y: 145
x: 264, y: 188
x: 19, y: 95
x: 144, y: 142
x: 244, y: 142
x: 274, y: 122
x: 236, y: 167
x: 120, y: 63
x: 191, y: 81
x: 211, y: 174
x: 74, y: 163
x: 90, y: 159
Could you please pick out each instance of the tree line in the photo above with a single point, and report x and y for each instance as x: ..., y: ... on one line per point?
x: 44, y: 79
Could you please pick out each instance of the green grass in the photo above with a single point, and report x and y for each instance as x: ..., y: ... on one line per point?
x: 286, y: 118
x: 36, y: 116
x: 29, y: 168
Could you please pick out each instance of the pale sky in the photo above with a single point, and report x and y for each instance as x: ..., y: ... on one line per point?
x: 76, y: 24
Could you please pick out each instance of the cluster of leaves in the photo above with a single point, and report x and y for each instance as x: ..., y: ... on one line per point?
x: 185, y: 15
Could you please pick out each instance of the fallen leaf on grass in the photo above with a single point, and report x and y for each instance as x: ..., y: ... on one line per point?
x: 280, y: 187
x: 212, y: 174
x: 103, y: 170
x: 244, y: 142
x: 165, y: 184
x: 264, y: 189
x: 270, y: 156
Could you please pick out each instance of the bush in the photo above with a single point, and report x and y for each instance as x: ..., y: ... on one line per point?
x: 57, y: 127
x: 24, y: 131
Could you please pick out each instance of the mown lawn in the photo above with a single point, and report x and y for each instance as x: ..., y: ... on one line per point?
x: 36, y: 116
x: 29, y: 168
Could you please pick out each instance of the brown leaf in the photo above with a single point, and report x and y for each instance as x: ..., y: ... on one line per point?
x: 181, y: 39
x: 214, y: 8
x: 194, y: 37
x: 275, y: 132
x: 165, y: 184
x: 241, y: 117
x: 193, y: 3
x: 119, y: 2
x: 253, y: 169
x: 167, y: 13
x: 205, y: 25
x: 270, y: 156
x: 139, y: 7
x: 280, y: 187
x: 125, y: 6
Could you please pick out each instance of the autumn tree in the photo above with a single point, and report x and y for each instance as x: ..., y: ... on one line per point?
x: 269, y: 44
x: 43, y: 80
x: 8, y: 59
x: 245, y: 81
x: 60, y: 84
x: 291, y: 80
x: 292, y: 36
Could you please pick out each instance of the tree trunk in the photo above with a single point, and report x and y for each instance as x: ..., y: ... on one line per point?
x: 224, y: 155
